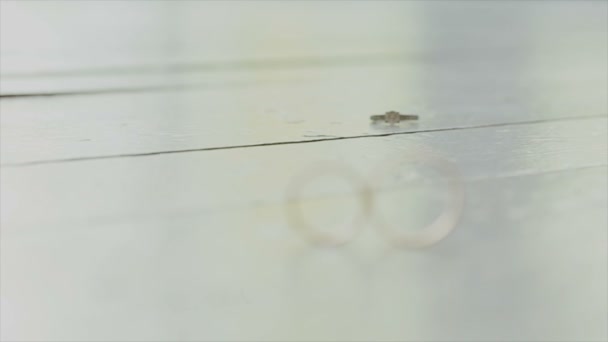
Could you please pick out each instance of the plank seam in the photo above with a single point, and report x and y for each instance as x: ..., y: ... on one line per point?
x: 190, y: 150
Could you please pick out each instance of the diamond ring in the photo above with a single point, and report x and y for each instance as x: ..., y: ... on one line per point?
x: 393, y: 117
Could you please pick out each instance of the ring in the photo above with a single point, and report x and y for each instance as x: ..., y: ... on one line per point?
x: 298, y: 220
x: 393, y: 117
x: 443, y: 225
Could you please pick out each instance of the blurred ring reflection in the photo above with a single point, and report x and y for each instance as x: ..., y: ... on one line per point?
x: 416, y: 161
x: 295, y: 200
x: 425, y: 160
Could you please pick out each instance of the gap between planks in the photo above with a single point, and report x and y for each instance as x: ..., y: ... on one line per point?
x: 329, y: 138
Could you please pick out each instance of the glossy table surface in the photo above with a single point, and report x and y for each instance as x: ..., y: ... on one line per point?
x: 147, y: 164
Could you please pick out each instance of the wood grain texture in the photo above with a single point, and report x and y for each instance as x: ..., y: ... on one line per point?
x: 526, y: 263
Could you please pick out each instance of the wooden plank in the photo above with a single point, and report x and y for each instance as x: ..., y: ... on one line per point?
x: 46, y: 49
x: 168, y: 184
x: 528, y: 262
x: 388, y: 55
x: 283, y: 106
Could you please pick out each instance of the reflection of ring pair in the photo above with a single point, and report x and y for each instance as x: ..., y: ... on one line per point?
x: 430, y: 235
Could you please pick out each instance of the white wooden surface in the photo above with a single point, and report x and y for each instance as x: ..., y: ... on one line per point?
x: 212, y: 180
x: 146, y: 199
x: 526, y: 263
x: 305, y: 105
